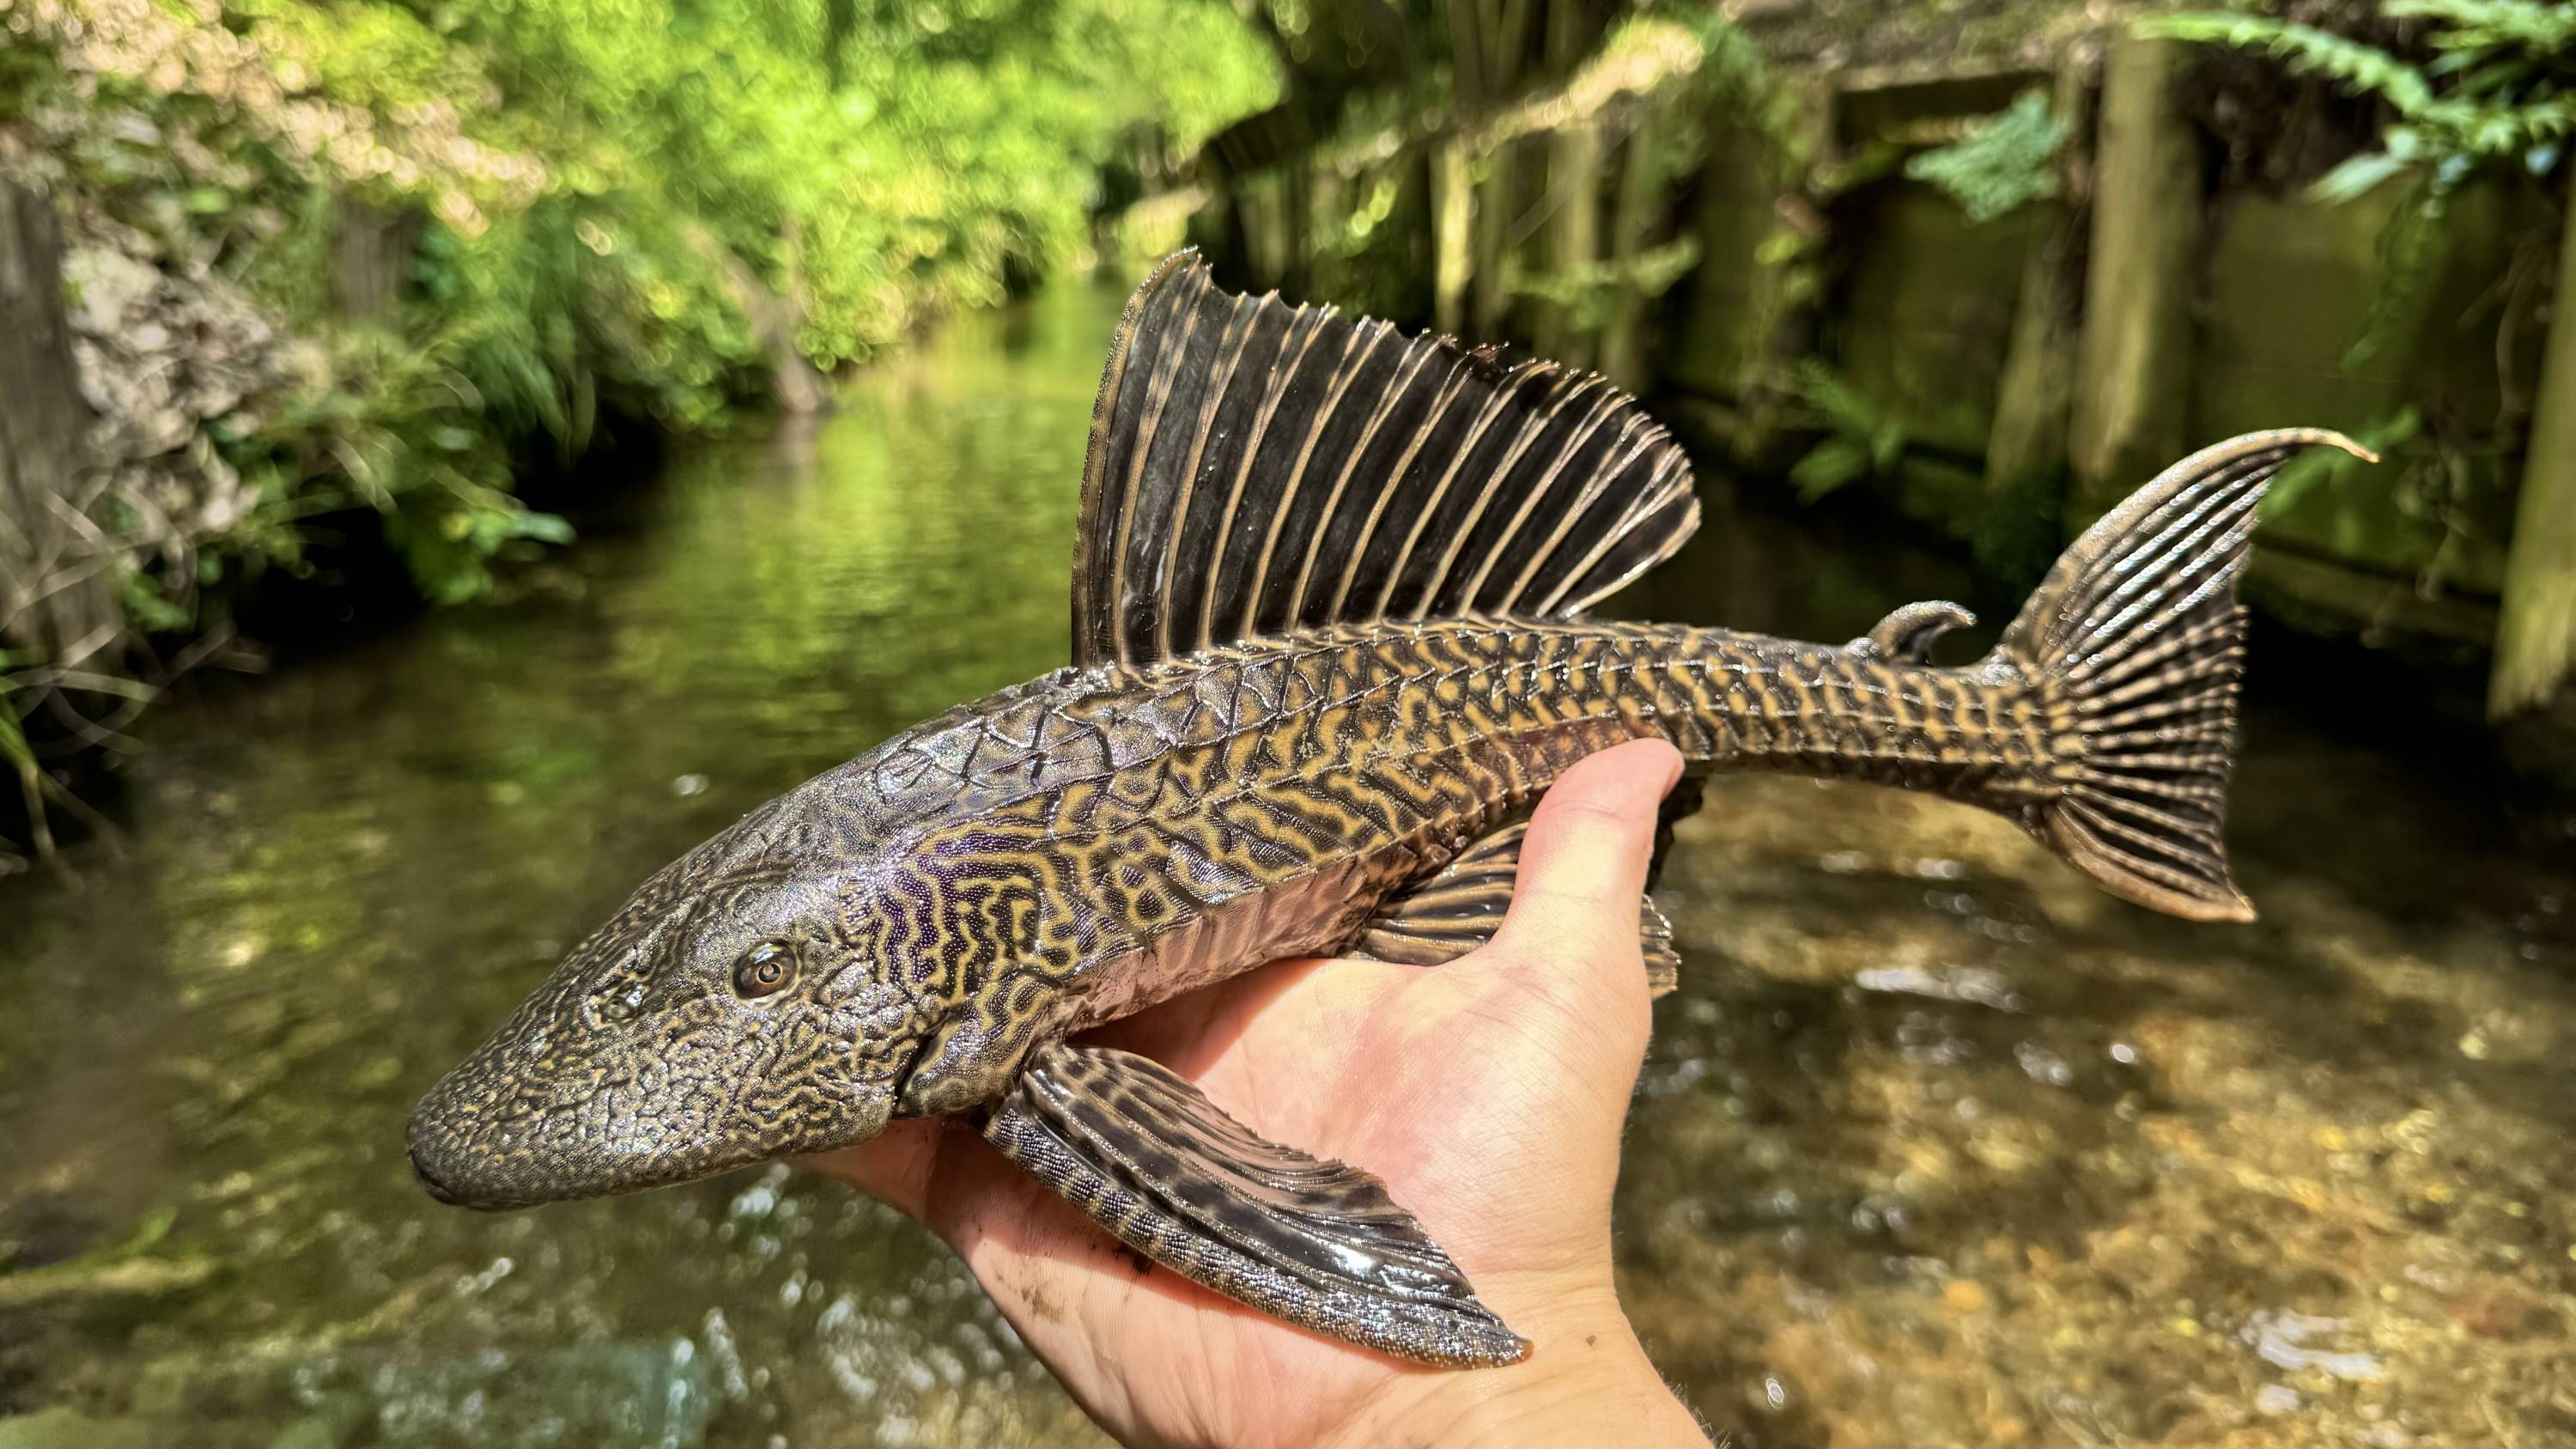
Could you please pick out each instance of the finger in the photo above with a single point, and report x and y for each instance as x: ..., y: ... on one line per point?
x: 893, y: 1167
x: 1583, y: 865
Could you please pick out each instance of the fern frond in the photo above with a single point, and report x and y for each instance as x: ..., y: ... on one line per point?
x: 2004, y: 163
x: 2485, y: 24
x: 2306, y: 50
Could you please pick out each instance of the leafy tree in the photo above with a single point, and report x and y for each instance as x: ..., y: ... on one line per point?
x: 609, y: 206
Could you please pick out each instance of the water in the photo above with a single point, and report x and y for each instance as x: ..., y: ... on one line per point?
x: 1935, y: 1143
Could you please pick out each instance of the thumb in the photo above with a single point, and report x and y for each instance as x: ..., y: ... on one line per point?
x: 1583, y: 865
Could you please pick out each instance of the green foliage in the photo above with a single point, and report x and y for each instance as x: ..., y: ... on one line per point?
x: 2004, y: 163
x: 2494, y: 90
x: 610, y: 194
x: 2450, y: 486
x: 2499, y: 90
x: 615, y: 191
x: 402, y: 427
x: 1860, y: 441
x: 30, y: 72
x: 1589, y: 291
x: 1736, y: 80
x: 637, y: 208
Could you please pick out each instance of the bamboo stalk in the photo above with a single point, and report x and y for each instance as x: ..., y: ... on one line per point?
x: 1511, y: 46
x: 1623, y: 349
x: 1467, y: 52
x: 1490, y: 298
x: 1573, y: 236
x: 1328, y: 214
x: 1452, y: 215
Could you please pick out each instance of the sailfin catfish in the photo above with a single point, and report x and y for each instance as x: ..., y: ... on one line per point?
x: 1331, y: 645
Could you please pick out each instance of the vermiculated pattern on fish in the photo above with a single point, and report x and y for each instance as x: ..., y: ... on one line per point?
x: 1330, y: 649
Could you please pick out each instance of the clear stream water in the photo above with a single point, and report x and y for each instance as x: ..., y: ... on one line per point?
x: 1935, y: 1144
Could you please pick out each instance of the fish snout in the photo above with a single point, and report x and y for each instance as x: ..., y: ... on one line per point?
x: 474, y: 1143
x: 452, y: 1160
x: 424, y: 1166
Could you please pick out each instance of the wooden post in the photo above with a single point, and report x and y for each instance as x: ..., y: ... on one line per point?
x: 2536, y: 633
x: 2132, y: 405
x: 2029, y: 435
x: 1490, y: 298
x: 2028, y: 441
x: 1453, y: 204
x: 56, y: 602
x: 1749, y: 309
x: 57, y: 607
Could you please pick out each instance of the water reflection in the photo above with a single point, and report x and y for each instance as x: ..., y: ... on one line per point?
x: 344, y: 876
x: 1936, y: 1143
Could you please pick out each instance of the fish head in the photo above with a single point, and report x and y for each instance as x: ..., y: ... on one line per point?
x: 732, y: 1012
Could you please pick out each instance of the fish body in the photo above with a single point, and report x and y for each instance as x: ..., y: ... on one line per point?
x: 1331, y: 649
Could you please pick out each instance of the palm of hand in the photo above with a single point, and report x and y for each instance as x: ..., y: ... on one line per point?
x: 1487, y: 1093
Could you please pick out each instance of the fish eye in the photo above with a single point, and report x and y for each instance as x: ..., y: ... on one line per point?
x: 764, y: 970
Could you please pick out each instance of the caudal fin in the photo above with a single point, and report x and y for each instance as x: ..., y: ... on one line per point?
x: 2137, y: 641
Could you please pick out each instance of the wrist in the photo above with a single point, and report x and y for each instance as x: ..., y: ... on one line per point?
x: 1587, y: 1380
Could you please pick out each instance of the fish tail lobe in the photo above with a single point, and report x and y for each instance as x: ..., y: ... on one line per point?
x: 2136, y: 644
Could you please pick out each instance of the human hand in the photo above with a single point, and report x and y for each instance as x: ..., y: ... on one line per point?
x: 1488, y: 1093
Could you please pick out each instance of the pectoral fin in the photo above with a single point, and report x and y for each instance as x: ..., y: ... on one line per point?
x: 1148, y: 1157
x: 1459, y: 909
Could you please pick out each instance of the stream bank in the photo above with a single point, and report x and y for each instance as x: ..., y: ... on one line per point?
x: 1935, y: 1141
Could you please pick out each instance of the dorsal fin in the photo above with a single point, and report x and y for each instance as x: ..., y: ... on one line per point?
x: 1257, y: 468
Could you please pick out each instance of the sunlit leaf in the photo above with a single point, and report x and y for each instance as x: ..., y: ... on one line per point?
x: 2357, y: 174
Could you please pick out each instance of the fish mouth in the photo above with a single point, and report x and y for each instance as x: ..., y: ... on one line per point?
x: 425, y: 1167
x: 478, y: 1140
x: 462, y: 1166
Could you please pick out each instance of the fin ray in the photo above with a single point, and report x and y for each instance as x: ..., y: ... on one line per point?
x: 1148, y: 1157
x: 1257, y: 468
x: 2137, y: 633
x: 1460, y: 907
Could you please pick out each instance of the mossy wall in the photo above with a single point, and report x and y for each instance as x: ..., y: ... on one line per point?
x: 2291, y: 283
x: 1922, y: 323
x: 1958, y: 347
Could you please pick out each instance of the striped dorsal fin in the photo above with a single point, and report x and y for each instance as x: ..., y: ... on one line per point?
x: 1257, y: 468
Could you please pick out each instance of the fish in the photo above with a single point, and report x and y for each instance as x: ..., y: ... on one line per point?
x: 1332, y: 641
